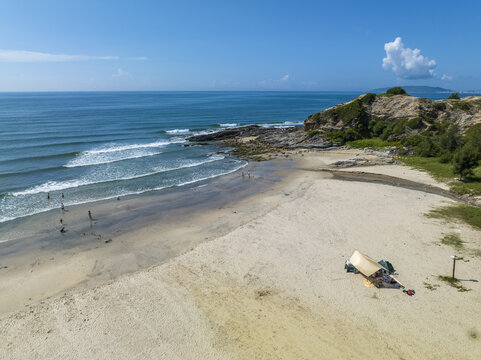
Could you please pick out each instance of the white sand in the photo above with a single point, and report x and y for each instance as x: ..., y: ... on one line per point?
x: 276, y: 288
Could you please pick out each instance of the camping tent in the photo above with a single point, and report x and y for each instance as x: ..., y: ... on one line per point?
x: 364, y: 264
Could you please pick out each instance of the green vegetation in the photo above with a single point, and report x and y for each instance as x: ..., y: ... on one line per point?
x: 455, y: 283
x: 466, y: 213
x: 314, y: 132
x: 373, y: 143
x: 453, y: 240
x: 396, y: 91
x: 430, y: 286
x: 440, y: 106
x: 454, y: 96
x: 462, y: 105
x: 348, y: 112
x: 317, y: 118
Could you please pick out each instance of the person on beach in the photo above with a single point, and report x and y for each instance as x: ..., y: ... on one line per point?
x: 61, y: 221
x: 48, y: 196
x: 62, y: 206
x: 62, y: 230
x: 249, y: 174
x: 90, y: 216
x: 62, y: 196
x: 242, y: 174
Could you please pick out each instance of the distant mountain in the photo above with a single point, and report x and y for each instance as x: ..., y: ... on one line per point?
x: 416, y: 89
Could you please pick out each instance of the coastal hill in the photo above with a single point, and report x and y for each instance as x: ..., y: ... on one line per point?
x: 408, y: 114
x: 416, y: 89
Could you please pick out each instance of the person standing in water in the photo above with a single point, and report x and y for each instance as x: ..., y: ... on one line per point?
x: 62, y: 206
x: 90, y: 216
x: 62, y: 196
x: 48, y: 196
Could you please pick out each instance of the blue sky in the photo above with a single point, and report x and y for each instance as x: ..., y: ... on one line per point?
x: 238, y: 45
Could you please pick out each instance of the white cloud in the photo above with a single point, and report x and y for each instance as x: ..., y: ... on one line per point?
x: 121, y: 73
x: 446, y: 77
x: 22, y: 56
x: 407, y: 63
x: 286, y: 80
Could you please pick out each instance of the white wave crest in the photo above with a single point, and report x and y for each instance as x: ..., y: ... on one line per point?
x: 52, y: 186
x: 178, y: 131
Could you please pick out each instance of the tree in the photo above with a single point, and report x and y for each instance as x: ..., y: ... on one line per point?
x: 397, y: 90
x: 465, y: 160
x: 454, y: 96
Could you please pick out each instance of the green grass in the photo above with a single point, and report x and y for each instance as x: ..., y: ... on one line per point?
x: 432, y: 166
x: 466, y: 213
x: 453, y: 240
x: 374, y: 143
x: 348, y: 112
x: 455, y: 283
x: 444, y: 172
x: 430, y: 286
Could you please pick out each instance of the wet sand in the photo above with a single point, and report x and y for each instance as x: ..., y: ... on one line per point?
x: 266, y: 279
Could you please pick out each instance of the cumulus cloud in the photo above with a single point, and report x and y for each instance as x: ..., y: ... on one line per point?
x: 23, y: 56
x: 446, y: 77
x: 285, y: 77
x: 407, y: 63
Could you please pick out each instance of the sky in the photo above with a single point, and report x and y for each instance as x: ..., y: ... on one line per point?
x: 279, y: 45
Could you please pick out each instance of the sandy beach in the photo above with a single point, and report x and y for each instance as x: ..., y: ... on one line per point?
x: 244, y: 269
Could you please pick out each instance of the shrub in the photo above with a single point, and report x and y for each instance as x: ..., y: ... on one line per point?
x: 465, y: 159
x: 368, y: 98
x: 454, y: 96
x: 397, y: 90
x: 415, y: 123
x: 462, y: 105
x: 440, y: 106
x: 399, y: 126
x: 349, y: 112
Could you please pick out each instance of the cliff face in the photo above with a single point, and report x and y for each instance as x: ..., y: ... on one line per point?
x: 360, y: 111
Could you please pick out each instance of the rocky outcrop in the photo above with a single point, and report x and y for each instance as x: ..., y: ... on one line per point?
x: 360, y: 111
x: 255, y: 140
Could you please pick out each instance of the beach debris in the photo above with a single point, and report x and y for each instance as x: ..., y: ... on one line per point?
x: 108, y: 241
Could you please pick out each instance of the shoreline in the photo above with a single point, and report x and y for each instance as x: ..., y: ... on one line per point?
x: 269, y: 280
x: 103, y: 243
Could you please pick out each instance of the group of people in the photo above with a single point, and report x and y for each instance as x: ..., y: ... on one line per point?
x: 62, y: 207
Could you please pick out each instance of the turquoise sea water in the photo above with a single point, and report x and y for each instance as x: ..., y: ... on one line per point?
x: 92, y: 146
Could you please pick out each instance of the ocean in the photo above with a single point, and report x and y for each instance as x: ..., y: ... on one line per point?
x: 91, y: 146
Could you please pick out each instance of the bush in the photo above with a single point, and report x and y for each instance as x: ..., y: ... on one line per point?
x: 465, y: 160
x: 440, y: 106
x: 454, y: 96
x: 368, y: 98
x: 349, y: 112
x: 462, y: 105
x: 397, y: 90
x: 415, y: 123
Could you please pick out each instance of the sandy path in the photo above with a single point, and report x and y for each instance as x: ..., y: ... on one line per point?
x: 275, y: 288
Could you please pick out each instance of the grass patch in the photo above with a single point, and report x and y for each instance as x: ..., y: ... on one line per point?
x: 431, y: 287
x: 453, y: 240
x: 432, y: 166
x: 476, y: 253
x: 469, y: 214
x: 444, y: 172
x: 453, y: 282
x: 374, y: 143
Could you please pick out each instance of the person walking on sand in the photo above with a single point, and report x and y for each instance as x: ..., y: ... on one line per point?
x: 248, y: 174
x: 61, y: 221
x: 62, y: 206
x: 90, y: 216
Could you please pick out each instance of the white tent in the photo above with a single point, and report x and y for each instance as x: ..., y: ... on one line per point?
x: 364, y: 264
